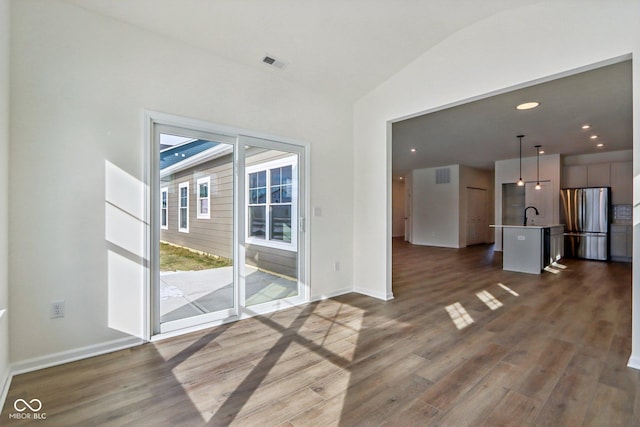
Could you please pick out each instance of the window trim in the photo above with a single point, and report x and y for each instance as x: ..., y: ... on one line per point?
x: 164, y: 196
x: 180, y: 207
x: 292, y: 161
x: 199, y: 214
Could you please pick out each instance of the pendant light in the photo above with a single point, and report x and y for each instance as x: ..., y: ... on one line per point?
x: 520, y: 181
x: 538, y: 166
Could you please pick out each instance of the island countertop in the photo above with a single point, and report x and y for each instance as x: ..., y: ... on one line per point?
x: 526, y: 226
x: 531, y: 248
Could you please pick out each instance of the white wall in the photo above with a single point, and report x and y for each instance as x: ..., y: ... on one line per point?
x: 439, y: 210
x: 435, y: 208
x: 399, y: 200
x: 4, y: 187
x: 82, y: 83
x: 503, y: 51
x: 508, y: 171
x: 594, y: 158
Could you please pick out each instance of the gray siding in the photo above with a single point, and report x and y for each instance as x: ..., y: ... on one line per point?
x: 275, y: 260
x: 215, y: 235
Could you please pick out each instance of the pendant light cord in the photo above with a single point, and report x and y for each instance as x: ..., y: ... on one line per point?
x: 538, y: 166
x: 520, y: 181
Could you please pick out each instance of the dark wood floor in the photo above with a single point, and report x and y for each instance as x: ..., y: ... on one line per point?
x: 551, y: 350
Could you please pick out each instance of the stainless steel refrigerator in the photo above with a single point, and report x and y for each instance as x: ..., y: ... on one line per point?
x: 585, y: 215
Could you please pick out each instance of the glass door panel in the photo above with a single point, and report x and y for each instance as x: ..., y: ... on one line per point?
x: 273, y: 231
x: 195, y: 228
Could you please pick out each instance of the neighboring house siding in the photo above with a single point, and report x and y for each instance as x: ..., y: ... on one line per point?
x: 262, y: 156
x: 215, y: 235
x: 271, y: 259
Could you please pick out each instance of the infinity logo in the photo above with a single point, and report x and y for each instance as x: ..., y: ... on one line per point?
x: 21, y: 405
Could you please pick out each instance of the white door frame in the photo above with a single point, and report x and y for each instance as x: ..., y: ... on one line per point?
x: 152, y: 172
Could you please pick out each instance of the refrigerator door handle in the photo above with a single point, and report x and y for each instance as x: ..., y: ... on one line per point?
x: 583, y: 202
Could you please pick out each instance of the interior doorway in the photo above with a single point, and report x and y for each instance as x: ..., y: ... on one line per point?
x: 477, y: 215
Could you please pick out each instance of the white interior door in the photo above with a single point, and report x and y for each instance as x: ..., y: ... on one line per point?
x: 408, y: 211
x: 477, y: 221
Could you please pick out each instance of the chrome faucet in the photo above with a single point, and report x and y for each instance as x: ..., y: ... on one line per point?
x: 525, y: 213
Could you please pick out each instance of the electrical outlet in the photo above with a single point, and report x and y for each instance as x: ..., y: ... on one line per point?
x: 57, y: 309
x: 336, y: 266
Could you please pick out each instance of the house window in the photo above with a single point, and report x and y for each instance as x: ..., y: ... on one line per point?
x: 183, y: 207
x: 271, y: 203
x: 164, y: 208
x: 280, y: 191
x: 204, y: 204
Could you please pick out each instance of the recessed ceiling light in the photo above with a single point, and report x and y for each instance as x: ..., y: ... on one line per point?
x: 413, y: 150
x: 401, y: 178
x: 594, y: 137
x: 586, y: 126
x: 600, y: 145
x: 541, y: 151
x: 527, y: 105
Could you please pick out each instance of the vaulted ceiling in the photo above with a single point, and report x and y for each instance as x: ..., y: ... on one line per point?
x: 346, y: 48
x: 342, y: 47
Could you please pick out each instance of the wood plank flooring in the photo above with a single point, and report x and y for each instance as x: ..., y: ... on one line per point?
x: 540, y: 350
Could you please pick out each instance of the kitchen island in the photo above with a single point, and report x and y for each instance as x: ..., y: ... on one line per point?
x: 531, y: 248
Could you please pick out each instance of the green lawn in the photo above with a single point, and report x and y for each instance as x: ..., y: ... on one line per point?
x: 173, y: 258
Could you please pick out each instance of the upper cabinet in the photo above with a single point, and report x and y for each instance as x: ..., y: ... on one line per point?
x: 622, y: 183
x: 599, y: 175
x: 617, y: 175
x: 575, y: 176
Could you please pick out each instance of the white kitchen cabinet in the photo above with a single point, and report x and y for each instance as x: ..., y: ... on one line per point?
x: 599, y: 175
x: 621, y: 242
x: 524, y: 247
x: 622, y: 183
x: 556, y: 242
x: 575, y: 176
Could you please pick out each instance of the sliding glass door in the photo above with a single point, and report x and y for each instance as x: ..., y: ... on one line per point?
x: 273, y: 229
x: 227, y: 227
x: 195, y: 280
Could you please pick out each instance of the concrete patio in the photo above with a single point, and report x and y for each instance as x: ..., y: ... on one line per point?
x: 190, y: 293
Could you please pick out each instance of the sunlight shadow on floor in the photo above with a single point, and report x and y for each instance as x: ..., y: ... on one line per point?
x: 508, y: 289
x: 244, y: 379
x: 459, y: 315
x: 490, y: 301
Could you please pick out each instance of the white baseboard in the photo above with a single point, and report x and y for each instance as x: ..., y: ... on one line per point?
x: 379, y: 295
x: 330, y: 294
x: 54, y: 359
x: 634, y: 362
x: 5, y: 383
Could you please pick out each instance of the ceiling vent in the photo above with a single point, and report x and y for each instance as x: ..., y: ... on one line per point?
x: 274, y: 62
x: 443, y: 176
